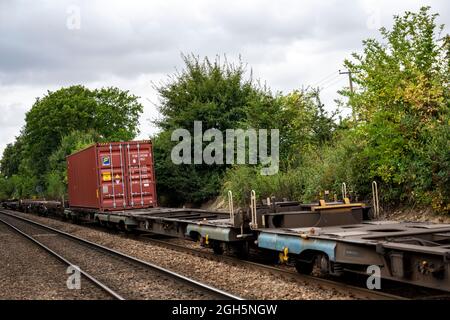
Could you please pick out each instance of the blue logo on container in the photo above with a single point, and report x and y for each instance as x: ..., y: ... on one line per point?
x: 106, y: 161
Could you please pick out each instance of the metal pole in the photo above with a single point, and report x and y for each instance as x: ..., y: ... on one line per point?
x: 230, y: 205
x: 253, y: 209
x: 376, y: 202
x: 140, y: 175
x: 350, y: 81
x: 344, y: 190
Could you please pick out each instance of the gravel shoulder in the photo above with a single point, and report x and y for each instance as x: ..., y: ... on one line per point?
x: 239, y: 280
x: 27, y: 272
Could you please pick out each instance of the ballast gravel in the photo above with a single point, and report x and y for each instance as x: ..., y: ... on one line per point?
x: 27, y: 272
x: 243, y: 281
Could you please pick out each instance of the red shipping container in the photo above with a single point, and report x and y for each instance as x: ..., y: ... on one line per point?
x: 112, y: 176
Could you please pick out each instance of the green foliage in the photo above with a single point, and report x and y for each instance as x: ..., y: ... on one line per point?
x: 399, y: 136
x: 212, y: 92
x: 299, y: 116
x: 215, y: 93
x: 402, y: 109
x: 178, y: 184
x: 56, y: 188
x: 219, y: 96
x: 9, y: 164
x: 21, y: 185
x: 4, y: 192
x: 304, y: 127
x: 241, y: 180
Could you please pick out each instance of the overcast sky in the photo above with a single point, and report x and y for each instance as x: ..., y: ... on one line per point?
x: 45, y: 45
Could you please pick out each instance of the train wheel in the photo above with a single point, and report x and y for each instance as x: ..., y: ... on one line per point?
x: 322, y: 265
x: 130, y: 229
x: 241, y: 250
x: 217, y: 248
x: 318, y: 264
x: 304, y: 267
x: 121, y: 226
x: 74, y: 219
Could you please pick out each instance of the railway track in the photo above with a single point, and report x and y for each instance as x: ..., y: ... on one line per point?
x: 395, y: 290
x: 30, y: 272
x: 358, y: 292
x: 120, y: 276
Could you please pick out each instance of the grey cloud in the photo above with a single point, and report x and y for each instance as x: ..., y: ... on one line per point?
x: 287, y: 43
x: 37, y: 46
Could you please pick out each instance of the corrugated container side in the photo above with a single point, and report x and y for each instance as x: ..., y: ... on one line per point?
x: 82, y: 178
x: 141, y: 178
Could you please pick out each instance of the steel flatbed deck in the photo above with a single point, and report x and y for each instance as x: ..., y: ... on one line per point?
x: 411, y: 252
x: 182, y: 223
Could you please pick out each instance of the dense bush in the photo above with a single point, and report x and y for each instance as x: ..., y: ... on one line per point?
x: 402, y: 109
x: 213, y: 92
x: 304, y: 127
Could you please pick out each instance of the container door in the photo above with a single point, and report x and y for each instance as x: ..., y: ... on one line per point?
x: 141, y: 186
x: 111, y: 162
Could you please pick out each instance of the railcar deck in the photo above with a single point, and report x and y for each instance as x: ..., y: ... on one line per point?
x: 336, y: 236
x: 182, y: 223
x: 412, y: 252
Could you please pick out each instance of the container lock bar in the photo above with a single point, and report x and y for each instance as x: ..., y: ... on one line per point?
x: 376, y: 201
x: 130, y: 175
x: 230, y: 205
x: 112, y: 175
x: 121, y: 178
x: 254, y: 224
x: 344, y: 190
x: 140, y: 173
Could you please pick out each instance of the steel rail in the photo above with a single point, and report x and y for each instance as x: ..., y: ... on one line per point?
x: 91, y: 278
x: 340, y: 286
x: 191, y: 282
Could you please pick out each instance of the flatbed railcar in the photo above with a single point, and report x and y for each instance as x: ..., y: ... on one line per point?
x: 331, y: 238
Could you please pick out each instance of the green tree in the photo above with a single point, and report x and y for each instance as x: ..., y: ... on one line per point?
x: 300, y: 117
x: 304, y: 127
x: 401, y: 103
x: 9, y: 164
x: 215, y: 93
x: 58, y: 123
x: 400, y: 135
x: 4, y: 192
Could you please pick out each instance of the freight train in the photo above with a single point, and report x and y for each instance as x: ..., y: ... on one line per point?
x: 113, y: 185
